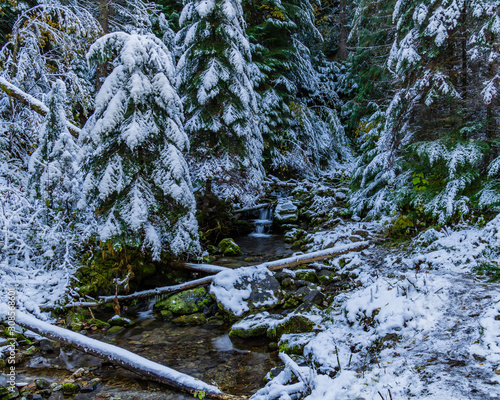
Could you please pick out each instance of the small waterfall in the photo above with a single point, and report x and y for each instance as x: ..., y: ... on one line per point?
x: 263, y: 222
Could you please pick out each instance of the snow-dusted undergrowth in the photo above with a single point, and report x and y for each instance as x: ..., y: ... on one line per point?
x: 420, y: 325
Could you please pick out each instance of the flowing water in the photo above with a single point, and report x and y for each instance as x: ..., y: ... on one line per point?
x: 237, y: 367
x: 263, y: 223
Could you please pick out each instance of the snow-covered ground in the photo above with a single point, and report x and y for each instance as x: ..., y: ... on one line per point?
x: 420, y: 324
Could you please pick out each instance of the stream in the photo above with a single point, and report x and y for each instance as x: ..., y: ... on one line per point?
x: 205, y: 352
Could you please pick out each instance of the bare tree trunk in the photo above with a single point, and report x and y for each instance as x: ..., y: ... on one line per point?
x: 103, y: 18
x: 342, y: 53
x: 206, y: 199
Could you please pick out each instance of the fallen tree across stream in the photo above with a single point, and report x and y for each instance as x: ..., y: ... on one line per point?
x: 288, y: 262
x: 123, y: 358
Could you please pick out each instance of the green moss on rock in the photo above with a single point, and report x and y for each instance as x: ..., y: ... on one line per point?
x: 309, y: 276
x: 228, y: 247
x: 97, y: 322
x: 294, y: 324
x: 187, y: 302
x: 115, y: 329
x: 70, y: 388
x: 76, y: 326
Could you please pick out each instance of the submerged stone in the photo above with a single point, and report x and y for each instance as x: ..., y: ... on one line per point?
x: 120, y: 321
x: 191, y: 319
x: 115, y: 329
x: 228, y: 247
x: 97, y: 322
x: 187, y: 302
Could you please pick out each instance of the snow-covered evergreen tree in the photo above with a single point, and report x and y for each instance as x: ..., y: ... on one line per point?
x: 434, y: 139
x: 53, y: 165
x: 136, y: 176
x: 297, y: 105
x: 214, y: 78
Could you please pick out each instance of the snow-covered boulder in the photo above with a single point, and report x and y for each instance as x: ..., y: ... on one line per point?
x: 243, y: 290
x: 285, y: 212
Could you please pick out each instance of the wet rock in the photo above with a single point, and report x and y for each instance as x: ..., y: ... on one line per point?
x: 42, y: 384
x: 76, y: 326
x: 213, y: 249
x: 313, y: 297
x: 49, y: 346
x: 273, y: 346
x: 191, y: 319
x: 97, y: 322
x: 56, y: 396
x: 294, y: 344
x: 280, y: 276
x: 79, y: 373
x: 90, y: 386
x: 287, y: 282
x: 285, y: 212
x: 327, y: 277
x: 274, y: 373
x: 254, y: 325
x: 307, y: 275
x: 18, y: 358
x: 70, y: 388
x: 215, y: 321
x: 115, y: 330
x: 8, y: 393
x: 187, y: 302
x: 293, y: 324
x: 166, y: 314
x: 55, y: 386
x: 35, y: 396
x: 120, y: 321
x: 228, y: 247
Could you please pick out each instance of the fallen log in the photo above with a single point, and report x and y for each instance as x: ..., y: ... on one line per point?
x: 288, y: 262
x: 158, y: 291
x: 208, y: 268
x: 123, y: 358
x: 32, y: 102
x: 294, y: 261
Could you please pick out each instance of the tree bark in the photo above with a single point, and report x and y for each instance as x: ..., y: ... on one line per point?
x: 123, y: 358
x: 342, y: 53
x: 103, y: 18
x: 33, y: 103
